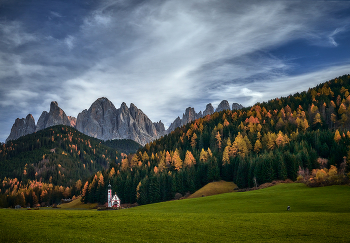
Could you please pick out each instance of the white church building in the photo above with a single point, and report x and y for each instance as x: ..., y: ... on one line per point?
x: 113, y: 202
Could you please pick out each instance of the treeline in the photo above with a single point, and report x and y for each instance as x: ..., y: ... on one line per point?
x: 35, y: 193
x: 269, y: 141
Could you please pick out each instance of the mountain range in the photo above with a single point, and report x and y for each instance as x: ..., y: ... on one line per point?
x: 104, y: 121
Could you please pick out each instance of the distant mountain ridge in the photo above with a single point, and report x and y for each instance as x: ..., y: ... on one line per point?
x: 103, y: 121
x: 191, y: 115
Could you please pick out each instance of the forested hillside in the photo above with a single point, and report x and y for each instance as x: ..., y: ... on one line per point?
x: 278, y: 139
x: 50, y: 163
x: 126, y: 146
x: 286, y: 137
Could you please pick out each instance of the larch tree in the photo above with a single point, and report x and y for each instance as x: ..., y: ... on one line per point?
x: 167, y: 159
x: 203, y: 157
x: 176, y: 161
x: 337, y: 136
x: 225, y: 156
x: 218, y: 140
x: 125, y: 164
x: 189, y: 159
x: 161, y: 164
x: 194, y: 141
x: 257, y: 146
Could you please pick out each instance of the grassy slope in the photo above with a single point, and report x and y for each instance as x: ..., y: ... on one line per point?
x: 317, y: 215
x: 214, y: 188
x: 77, y: 204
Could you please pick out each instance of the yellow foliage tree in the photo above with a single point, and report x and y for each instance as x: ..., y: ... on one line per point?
x: 145, y: 157
x: 125, y: 164
x: 189, y: 159
x: 239, y: 146
x: 135, y: 160
x: 317, y: 119
x: 167, y: 158
x: 194, y: 141
x: 218, y: 140
x: 225, y: 156
x: 176, y: 161
x: 257, y: 146
x: 203, y: 157
x: 161, y: 164
x: 337, y: 136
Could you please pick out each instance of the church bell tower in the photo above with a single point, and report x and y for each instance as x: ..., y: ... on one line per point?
x: 109, y: 196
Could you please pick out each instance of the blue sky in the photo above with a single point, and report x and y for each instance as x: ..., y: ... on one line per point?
x: 164, y: 56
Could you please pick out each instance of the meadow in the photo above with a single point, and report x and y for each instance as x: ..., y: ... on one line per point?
x: 317, y: 215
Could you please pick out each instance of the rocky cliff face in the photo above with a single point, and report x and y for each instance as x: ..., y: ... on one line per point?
x: 56, y: 116
x: 159, y: 127
x: 224, y: 105
x: 99, y: 121
x: 208, y: 110
x: 105, y: 122
x: 22, y: 127
x: 176, y: 123
x: 236, y: 106
x: 189, y: 116
x: 72, y: 121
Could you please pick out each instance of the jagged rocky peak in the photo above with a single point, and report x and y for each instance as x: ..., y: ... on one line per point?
x: 124, y: 107
x: 56, y: 116
x: 176, y: 123
x: 209, y: 109
x: 189, y: 116
x: 159, y: 126
x: 99, y: 121
x: 224, y: 105
x: 236, y: 106
x: 105, y: 122
x: 22, y: 127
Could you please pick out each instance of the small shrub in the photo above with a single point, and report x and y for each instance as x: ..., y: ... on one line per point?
x: 178, y: 196
x: 300, y: 178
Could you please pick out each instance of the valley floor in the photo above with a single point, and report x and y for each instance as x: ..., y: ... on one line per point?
x: 317, y: 215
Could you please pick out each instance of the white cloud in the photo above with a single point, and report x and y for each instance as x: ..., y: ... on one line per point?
x: 183, y: 54
x: 69, y: 41
x: 168, y: 55
x: 14, y: 34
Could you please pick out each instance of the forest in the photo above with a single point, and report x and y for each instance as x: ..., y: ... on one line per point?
x: 49, y: 165
x: 289, y: 137
x: 300, y: 137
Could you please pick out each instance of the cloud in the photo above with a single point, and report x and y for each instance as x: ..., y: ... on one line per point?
x: 181, y: 54
x: 12, y: 33
x: 164, y: 56
x: 55, y: 14
x: 69, y: 41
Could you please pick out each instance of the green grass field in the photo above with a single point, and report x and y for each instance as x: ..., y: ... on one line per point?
x: 317, y: 215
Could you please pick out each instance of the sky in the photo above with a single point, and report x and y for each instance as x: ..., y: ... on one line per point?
x: 164, y: 55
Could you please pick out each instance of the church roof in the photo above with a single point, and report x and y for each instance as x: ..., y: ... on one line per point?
x: 115, y: 197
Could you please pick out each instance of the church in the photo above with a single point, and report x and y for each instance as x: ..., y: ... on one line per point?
x: 113, y: 202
